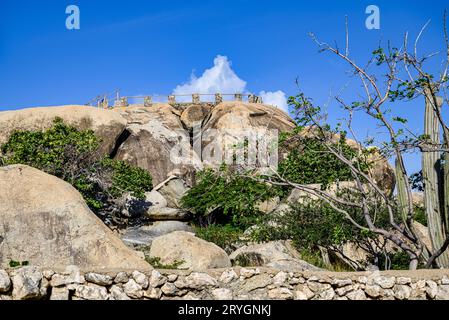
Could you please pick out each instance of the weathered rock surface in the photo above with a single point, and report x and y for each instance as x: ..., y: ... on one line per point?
x: 27, y: 283
x: 195, y: 253
x: 275, y: 254
x: 144, y: 235
x: 230, y: 123
x: 157, y: 142
x: 107, y: 125
x: 173, y: 190
x: 194, y: 115
x: 45, y: 221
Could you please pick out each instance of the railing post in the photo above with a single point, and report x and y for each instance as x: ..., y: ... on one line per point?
x: 147, y: 101
x: 218, y: 98
x: 124, y: 102
x: 171, y: 99
x: 238, y: 97
x: 195, y: 98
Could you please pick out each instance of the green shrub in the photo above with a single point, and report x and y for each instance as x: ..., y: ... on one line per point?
x: 223, y: 236
x: 156, y: 263
x: 72, y: 155
x: 310, y: 162
x: 226, y: 194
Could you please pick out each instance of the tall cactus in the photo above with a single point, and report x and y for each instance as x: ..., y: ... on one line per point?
x: 402, y: 192
x: 432, y: 186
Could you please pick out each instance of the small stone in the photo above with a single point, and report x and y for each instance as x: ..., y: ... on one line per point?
x: 363, y: 280
x: 443, y: 292
x: 133, y: 290
x: 140, y: 279
x: 5, y: 282
x: 256, y: 282
x: 61, y: 293
x: 153, y: 293
x: 356, y: 295
x: 403, y: 280
x: 402, y: 292
x: 445, y: 280
x: 280, y: 278
x: 222, y: 294
x: 385, y: 282
x: 341, y: 282
x: 74, y: 275
x: 27, y: 283
x: 317, y: 287
x: 48, y: 274
x: 228, y: 276
x: 100, y: 279
x: 304, y: 293
x: 431, y: 289
x: 374, y: 291
x: 344, y: 290
x: 280, y: 294
x: 117, y: 293
x: 248, y: 273
x: 121, y: 277
x: 44, y: 287
x: 172, y: 277
x: 169, y: 289
x: 328, y: 294
x: 91, y: 292
x: 157, y: 279
x: 294, y: 281
x: 197, y: 281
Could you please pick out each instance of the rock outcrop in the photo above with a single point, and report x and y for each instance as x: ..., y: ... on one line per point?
x: 107, y: 126
x: 191, y: 252
x: 45, y: 221
x: 274, y: 254
x: 157, y: 142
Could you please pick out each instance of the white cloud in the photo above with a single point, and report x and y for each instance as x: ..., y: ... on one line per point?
x: 222, y: 79
x: 276, y: 98
x: 218, y: 79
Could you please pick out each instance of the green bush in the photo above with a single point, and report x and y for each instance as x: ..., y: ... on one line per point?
x: 310, y: 162
x: 223, y: 236
x: 72, y: 155
x: 229, y: 196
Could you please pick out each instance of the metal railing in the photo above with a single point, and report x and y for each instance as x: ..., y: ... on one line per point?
x: 102, y: 101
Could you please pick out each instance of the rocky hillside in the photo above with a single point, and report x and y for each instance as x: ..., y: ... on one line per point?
x: 45, y: 222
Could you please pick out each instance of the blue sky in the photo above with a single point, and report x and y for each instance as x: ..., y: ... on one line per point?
x: 148, y: 47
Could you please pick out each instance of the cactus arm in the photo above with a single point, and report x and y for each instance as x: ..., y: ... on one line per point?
x: 430, y: 180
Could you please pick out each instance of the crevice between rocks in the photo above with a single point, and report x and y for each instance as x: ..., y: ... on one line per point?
x: 119, y: 142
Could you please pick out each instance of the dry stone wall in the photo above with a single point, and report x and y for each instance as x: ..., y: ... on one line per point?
x: 222, y: 284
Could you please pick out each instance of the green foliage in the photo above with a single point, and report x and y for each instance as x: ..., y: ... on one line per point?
x: 226, y: 193
x: 156, y: 263
x: 313, y: 163
x: 310, y: 225
x: 72, y: 155
x: 15, y: 264
x: 126, y: 178
x: 51, y: 150
x: 223, y: 236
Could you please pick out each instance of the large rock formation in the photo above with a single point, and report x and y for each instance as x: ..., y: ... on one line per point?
x: 158, y: 142
x: 107, y: 126
x: 45, y: 221
x: 191, y: 252
x: 274, y: 254
x: 230, y: 124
